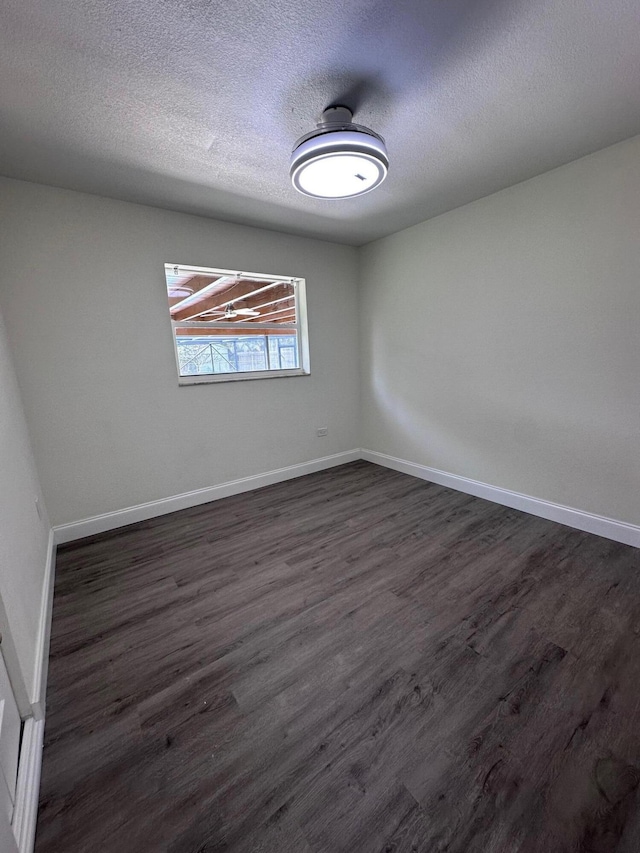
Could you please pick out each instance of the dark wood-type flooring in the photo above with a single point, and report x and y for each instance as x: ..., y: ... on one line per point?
x: 353, y: 661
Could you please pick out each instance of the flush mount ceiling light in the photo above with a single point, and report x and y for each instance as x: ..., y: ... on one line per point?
x: 179, y: 290
x: 339, y: 159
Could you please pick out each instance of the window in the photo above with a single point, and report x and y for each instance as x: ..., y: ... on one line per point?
x: 231, y: 325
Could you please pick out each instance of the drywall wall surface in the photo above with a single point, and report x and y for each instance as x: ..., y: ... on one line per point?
x: 84, y: 297
x: 23, y: 533
x: 500, y: 341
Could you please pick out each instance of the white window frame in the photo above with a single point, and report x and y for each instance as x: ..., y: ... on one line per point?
x: 300, y: 326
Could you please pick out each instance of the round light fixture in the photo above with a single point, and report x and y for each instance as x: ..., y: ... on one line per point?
x: 179, y: 290
x: 339, y: 159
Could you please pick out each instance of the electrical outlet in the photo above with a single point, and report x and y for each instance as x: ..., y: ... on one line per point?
x: 323, y: 430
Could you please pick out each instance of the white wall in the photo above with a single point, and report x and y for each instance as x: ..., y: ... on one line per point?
x: 501, y: 341
x: 498, y: 342
x: 23, y: 535
x: 83, y: 293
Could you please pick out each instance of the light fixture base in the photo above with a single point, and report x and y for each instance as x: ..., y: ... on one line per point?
x: 339, y: 159
x: 336, y: 115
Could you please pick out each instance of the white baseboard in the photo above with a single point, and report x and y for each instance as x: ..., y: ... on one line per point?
x: 25, y: 812
x: 619, y: 531
x: 39, y: 686
x: 142, y: 512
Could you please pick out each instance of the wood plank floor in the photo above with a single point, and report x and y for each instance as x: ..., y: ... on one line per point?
x: 353, y: 661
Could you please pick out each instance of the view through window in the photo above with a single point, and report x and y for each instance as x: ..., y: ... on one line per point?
x: 236, y: 325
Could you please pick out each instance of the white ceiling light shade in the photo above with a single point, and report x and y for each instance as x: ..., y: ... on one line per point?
x: 339, y: 159
x: 179, y: 290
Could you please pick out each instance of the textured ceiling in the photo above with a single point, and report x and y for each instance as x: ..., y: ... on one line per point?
x: 195, y: 105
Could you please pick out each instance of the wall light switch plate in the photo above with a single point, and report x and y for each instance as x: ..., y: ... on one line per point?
x: 323, y: 430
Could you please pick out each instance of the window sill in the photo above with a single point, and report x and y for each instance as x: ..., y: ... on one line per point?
x: 207, y: 379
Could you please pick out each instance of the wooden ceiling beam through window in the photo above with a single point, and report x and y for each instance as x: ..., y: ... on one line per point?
x: 199, y: 304
x: 289, y: 298
x: 202, y: 286
x: 240, y: 291
x: 209, y: 331
x: 283, y: 292
x: 263, y: 317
